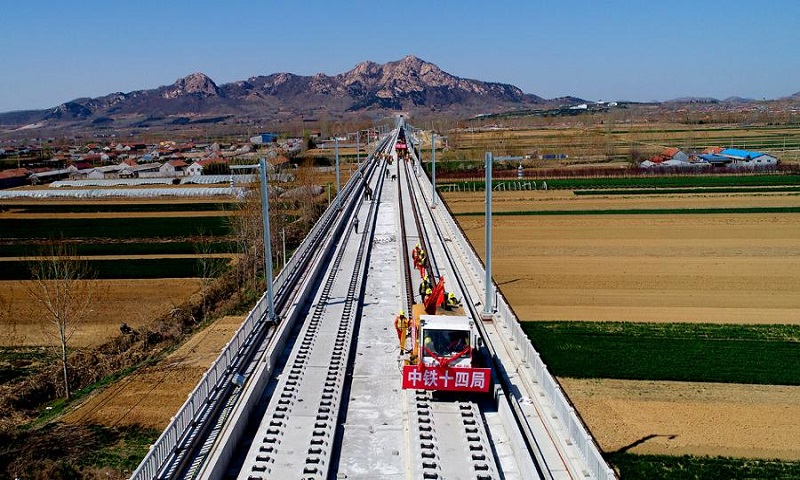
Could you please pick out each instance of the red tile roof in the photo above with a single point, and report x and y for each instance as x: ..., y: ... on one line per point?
x: 14, y: 172
x: 670, y: 151
x: 713, y: 150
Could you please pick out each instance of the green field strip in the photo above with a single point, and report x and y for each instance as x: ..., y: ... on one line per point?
x: 147, y: 227
x: 666, y: 191
x: 644, y: 182
x: 112, y: 207
x: 653, y: 467
x: 138, y: 268
x: 753, y: 354
x: 640, y: 211
x: 123, y: 249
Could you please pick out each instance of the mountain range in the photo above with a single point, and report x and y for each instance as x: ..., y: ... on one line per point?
x: 370, y: 89
x: 410, y: 85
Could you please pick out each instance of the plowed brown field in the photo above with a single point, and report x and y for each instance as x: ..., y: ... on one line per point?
x: 151, y: 396
x: 135, y: 302
x: 680, y: 418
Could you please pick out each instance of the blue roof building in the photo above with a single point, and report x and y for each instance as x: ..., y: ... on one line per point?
x: 740, y: 154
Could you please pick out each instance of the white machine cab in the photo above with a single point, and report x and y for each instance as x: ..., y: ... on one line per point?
x: 446, y: 338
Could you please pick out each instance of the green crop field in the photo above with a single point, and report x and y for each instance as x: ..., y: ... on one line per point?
x: 654, y: 467
x: 98, y: 207
x: 673, y: 191
x: 45, y: 228
x: 756, y: 354
x: 129, y: 268
x: 688, y: 181
x: 641, y: 211
x: 123, y: 248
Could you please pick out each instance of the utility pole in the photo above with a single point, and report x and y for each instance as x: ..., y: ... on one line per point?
x: 433, y: 170
x: 267, y: 240
x: 338, y: 183
x: 283, y: 238
x: 488, y: 310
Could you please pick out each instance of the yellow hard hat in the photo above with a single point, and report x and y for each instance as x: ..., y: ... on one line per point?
x: 425, y: 278
x: 428, y: 291
x: 402, y: 313
x: 451, y: 294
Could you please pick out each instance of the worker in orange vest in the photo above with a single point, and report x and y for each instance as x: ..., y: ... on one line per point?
x: 419, y: 263
x: 415, y: 253
x: 401, y: 324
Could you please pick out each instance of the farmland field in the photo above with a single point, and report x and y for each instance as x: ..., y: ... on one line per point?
x: 135, y: 302
x: 693, y: 275
x: 612, y: 138
x: 151, y: 396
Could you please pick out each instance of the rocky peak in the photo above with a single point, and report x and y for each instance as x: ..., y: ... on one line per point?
x: 414, y: 74
x: 411, y: 62
x: 364, y: 69
x: 70, y: 110
x: 195, y: 83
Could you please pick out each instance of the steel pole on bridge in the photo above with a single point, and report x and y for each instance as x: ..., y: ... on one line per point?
x: 267, y: 239
x: 487, y: 302
x: 338, y: 184
x: 433, y: 170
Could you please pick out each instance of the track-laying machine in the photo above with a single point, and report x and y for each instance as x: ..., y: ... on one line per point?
x: 441, y: 348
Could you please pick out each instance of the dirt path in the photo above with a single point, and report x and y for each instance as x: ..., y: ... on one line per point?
x: 153, y: 395
x: 678, y: 418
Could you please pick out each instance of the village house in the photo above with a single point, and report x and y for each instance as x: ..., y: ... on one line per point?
x: 173, y: 168
x: 196, y: 168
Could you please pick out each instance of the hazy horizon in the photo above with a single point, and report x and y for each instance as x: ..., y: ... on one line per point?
x: 56, y: 52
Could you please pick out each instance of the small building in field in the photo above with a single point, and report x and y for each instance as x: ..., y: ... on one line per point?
x: 147, y: 170
x: 748, y: 159
x: 196, y: 168
x: 673, y: 154
x: 263, y: 138
x: 173, y: 168
x: 15, y: 177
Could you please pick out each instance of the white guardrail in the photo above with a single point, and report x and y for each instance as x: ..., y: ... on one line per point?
x: 581, y: 437
x: 165, y: 445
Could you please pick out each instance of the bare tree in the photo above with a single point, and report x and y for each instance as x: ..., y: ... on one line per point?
x: 61, y: 286
x: 246, y: 225
x: 208, y: 266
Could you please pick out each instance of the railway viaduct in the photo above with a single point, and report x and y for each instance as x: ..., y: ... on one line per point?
x: 312, y: 390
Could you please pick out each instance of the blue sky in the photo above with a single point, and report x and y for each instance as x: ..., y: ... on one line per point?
x: 55, y: 51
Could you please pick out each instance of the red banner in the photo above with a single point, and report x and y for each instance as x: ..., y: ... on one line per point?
x: 420, y: 377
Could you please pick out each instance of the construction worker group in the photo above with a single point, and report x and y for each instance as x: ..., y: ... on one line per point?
x: 402, y: 324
